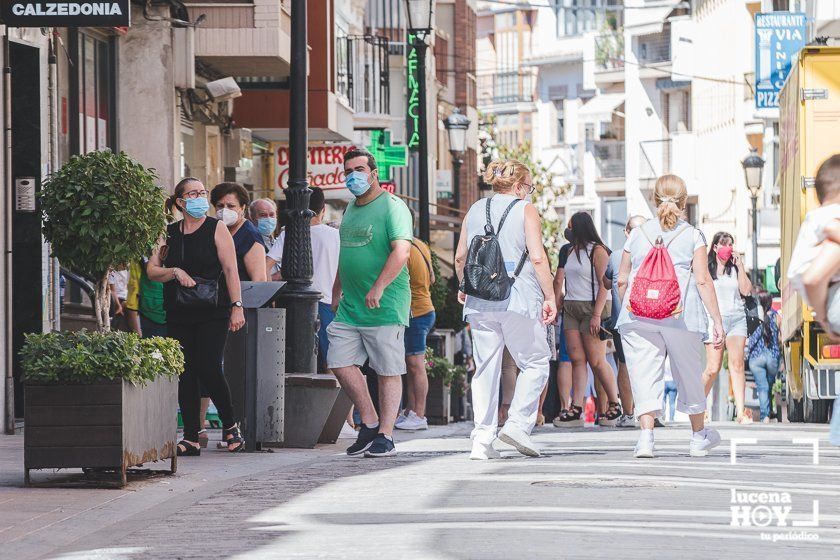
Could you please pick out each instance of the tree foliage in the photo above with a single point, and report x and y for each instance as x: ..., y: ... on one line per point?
x: 102, y: 210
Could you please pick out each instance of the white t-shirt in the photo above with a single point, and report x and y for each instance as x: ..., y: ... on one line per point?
x: 728, y: 293
x: 811, y: 234
x: 119, y: 278
x: 325, y: 246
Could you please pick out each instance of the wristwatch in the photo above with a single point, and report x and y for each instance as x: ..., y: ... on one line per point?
x: 236, y: 304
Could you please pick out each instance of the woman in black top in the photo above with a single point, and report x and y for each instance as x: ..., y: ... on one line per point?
x: 231, y: 203
x: 200, y: 247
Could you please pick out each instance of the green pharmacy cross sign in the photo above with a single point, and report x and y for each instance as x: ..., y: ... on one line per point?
x: 386, y: 154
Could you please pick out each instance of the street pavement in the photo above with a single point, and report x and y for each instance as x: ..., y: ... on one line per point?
x: 586, y: 496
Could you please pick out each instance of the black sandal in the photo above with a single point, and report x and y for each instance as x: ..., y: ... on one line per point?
x: 572, y: 417
x: 612, y: 415
x: 235, y: 437
x: 187, y: 449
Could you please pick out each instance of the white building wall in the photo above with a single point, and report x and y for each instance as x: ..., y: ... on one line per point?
x: 723, y: 38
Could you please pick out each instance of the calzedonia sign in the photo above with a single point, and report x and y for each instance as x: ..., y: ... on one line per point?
x: 74, y: 13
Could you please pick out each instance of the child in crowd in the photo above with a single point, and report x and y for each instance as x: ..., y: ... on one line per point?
x: 814, y: 269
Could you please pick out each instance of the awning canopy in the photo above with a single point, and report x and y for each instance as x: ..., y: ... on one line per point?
x: 651, y: 19
x: 600, y: 107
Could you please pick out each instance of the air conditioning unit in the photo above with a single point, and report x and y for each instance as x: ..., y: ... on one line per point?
x: 183, y: 54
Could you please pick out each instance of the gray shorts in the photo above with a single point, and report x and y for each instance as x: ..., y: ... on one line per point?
x: 353, y: 346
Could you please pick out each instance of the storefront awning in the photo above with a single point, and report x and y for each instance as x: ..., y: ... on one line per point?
x: 600, y: 107
x: 651, y: 19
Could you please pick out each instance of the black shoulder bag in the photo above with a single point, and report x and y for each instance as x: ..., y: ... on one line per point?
x: 205, y: 293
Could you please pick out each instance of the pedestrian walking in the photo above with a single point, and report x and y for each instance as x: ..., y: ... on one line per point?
x: 199, y: 251
x: 508, y: 307
x: 625, y: 390
x: 231, y: 203
x: 421, y: 277
x: 263, y: 214
x: 374, y: 300
x: 765, y: 354
x: 326, y: 244
x: 564, y: 362
x: 585, y: 306
x: 668, y: 320
x: 731, y: 285
x: 118, y: 285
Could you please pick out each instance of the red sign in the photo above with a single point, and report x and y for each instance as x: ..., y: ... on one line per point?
x: 325, y: 165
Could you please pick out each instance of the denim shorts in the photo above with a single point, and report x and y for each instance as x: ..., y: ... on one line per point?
x: 416, y: 333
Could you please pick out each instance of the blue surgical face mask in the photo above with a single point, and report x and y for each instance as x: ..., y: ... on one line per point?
x: 267, y: 225
x: 358, y: 183
x: 197, y: 207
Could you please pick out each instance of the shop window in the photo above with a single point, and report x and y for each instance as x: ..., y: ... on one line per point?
x: 92, y: 93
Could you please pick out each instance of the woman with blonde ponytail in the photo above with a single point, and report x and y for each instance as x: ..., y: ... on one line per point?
x: 679, y: 338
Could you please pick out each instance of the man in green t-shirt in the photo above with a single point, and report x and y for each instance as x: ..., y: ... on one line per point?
x: 373, y: 297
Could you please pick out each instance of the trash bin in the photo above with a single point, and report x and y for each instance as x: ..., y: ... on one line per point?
x: 255, y: 366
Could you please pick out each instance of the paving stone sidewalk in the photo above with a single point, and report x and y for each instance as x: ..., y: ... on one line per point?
x: 586, y: 497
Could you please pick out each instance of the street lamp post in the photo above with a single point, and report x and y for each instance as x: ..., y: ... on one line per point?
x: 420, y: 27
x: 753, y: 170
x: 456, y: 125
x: 298, y: 298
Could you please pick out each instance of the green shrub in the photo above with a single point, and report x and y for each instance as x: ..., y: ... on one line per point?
x: 89, y: 356
x: 441, y: 368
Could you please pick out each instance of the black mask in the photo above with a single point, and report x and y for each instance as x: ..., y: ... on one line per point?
x: 569, y: 235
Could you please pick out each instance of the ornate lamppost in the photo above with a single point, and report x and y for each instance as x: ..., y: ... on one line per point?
x: 753, y: 171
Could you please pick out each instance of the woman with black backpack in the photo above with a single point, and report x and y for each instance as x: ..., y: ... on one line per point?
x: 585, y: 302
x: 506, y: 288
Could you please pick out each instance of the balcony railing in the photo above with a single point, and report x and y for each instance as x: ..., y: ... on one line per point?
x: 362, y: 73
x: 609, y: 157
x: 505, y: 87
x: 609, y: 51
x: 655, y: 47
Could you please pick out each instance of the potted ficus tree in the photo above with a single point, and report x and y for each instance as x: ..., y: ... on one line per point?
x: 102, y: 399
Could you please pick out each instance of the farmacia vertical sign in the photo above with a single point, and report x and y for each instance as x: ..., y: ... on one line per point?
x: 413, y: 105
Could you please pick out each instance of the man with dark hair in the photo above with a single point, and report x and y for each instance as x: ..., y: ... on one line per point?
x: 325, y: 247
x: 827, y: 181
x: 373, y: 299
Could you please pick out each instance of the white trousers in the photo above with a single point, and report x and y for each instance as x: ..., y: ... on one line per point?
x: 646, y: 348
x: 526, y: 341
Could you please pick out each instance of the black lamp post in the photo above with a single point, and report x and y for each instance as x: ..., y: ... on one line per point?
x: 299, y: 300
x: 420, y: 27
x: 456, y: 126
x: 753, y: 170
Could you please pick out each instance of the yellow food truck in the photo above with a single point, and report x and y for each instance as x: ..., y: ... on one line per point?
x: 809, y: 122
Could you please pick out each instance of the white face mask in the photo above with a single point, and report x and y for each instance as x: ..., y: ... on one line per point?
x: 229, y: 217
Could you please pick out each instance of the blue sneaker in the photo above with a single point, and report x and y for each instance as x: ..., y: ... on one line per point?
x: 834, y: 433
x: 382, y: 446
x: 363, y: 440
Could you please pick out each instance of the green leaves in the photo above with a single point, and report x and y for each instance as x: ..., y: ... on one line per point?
x: 86, y: 356
x: 441, y: 368
x: 102, y: 210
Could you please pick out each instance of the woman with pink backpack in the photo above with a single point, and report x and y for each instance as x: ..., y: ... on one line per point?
x: 663, y: 315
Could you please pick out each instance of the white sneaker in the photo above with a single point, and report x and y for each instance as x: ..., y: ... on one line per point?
x: 644, y: 447
x: 702, y: 441
x: 411, y: 422
x: 400, y: 419
x: 483, y: 452
x: 348, y: 432
x: 520, y: 440
x: 626, y: 421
